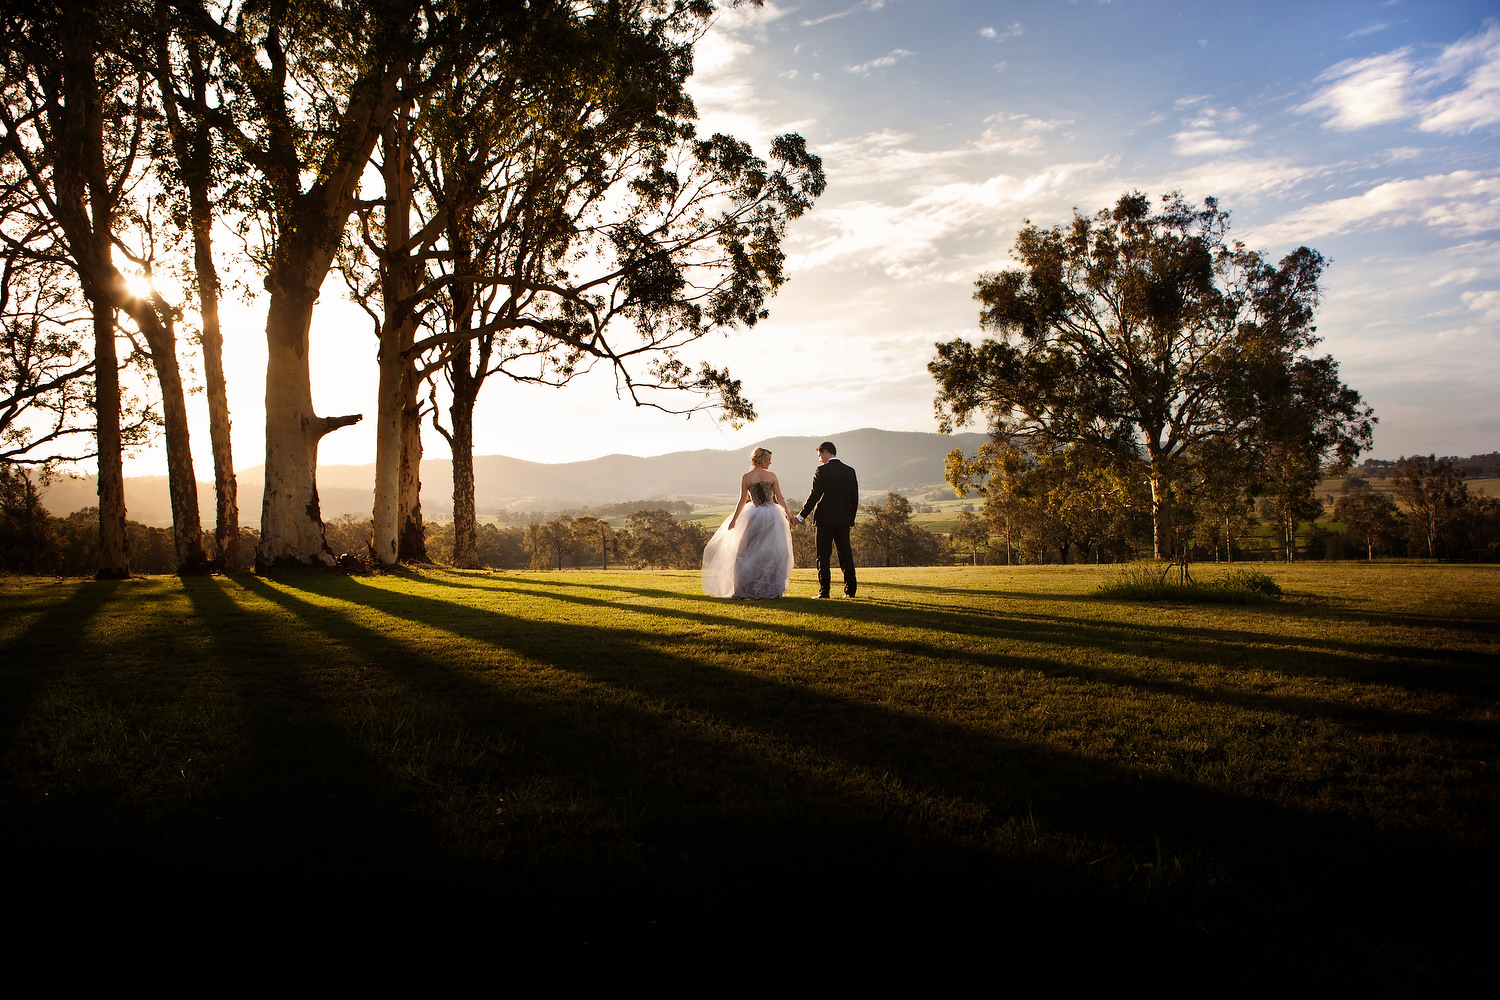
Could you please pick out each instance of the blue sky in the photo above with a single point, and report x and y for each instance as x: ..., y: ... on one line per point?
x: 1365, y: 130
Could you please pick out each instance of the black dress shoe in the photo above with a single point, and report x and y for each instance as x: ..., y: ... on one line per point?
x: 820, y: 597
x: 848, y: 593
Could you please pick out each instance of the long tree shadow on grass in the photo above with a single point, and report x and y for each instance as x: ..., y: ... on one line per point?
x: 1200, y: 647
x: 60, y: 628
x: 1077, y: 630
x: 279, y: 828
x: 314, y: 811
x: 1306, y: 870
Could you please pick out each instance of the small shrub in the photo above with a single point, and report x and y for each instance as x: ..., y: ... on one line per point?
x: 1147, y: 583
x: 1251, y: 581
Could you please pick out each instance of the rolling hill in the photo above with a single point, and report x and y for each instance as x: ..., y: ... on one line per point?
x: 886, y: 460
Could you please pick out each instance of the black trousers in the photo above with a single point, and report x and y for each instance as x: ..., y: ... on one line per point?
x: 828, y: 537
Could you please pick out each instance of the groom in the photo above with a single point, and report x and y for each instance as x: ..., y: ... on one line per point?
x: 835, y: 497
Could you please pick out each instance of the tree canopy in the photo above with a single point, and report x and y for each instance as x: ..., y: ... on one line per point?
x: 1142, y: 336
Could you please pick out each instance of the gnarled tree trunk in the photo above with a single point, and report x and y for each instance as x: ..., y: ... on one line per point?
x: 465, y: 519
x: 412, y: 536
x: 291, y: 520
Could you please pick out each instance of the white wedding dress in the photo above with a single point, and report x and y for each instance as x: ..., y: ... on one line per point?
x: 754, y: 558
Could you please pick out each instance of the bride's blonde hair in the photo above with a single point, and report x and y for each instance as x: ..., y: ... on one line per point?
x: 760, y: 458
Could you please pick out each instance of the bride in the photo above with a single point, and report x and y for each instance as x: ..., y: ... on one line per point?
x: 750, y: 556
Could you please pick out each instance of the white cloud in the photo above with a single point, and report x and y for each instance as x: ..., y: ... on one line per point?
x: 1461, y: 203
x: 722, y: 85
x: 1394, y: 86
x: 952, y: 229
x: 886, y: 158
x: 1477, y: 103
x: 1486, y: 303
x: 862, y: 5
x: 1201, y: 135
x: 1466, y: 263
x: 1205, y: 142
x: 1368, y: 29
x: 881, y: 62
x: 1231, y: 179
x: 1211, y: 117
x: 1014, y: 31
x: 1365, y: 92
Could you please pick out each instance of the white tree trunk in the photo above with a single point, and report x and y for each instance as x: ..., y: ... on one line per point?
x: 388, y: 406
x: 291, y: 523
x: 397, y: 333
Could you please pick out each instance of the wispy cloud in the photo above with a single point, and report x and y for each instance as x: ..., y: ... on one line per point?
x: 1203, y: 132
x: 1477, y: 102
x: 722, y: 86
x: 1486, y: 303
x: 1365, y: 92
x: 1231, y: 179
x: 1396, y: 85
x: 914, y: 234
x: 862, y: 5
x: 1013, y: 31
x: 888, y: 158
x: 1200, y: 142
x: 1461, y: 203
x: 1466, y: 263
x: 1368, y: 29
x: 886, y: 61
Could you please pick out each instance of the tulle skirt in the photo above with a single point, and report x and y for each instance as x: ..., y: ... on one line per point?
x: 754, y: 559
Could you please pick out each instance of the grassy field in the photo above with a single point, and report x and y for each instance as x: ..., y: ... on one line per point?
x: 962, y: 767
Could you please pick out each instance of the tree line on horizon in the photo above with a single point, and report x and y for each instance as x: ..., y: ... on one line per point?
x: 506, y: 187
x: 1429, y: 512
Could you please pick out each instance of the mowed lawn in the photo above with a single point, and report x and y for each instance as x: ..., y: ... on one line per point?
x: 963, y: 762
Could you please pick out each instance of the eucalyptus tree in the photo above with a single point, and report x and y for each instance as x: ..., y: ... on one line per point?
x: 543, y: 300
x: 1371, y: 517
x: 971, y: 532
x: 888, y: 529
x: 1046, y: 500
x: 1309, y: 425
x: 1223, y: 484
x: 564, y: 194
x: 46, y: 371
x: 1434, y: 491
x: 78, y: 123
x: 589, y: 530
x: 307, y: 88
x: 183, y: 64
x: 1138, y: 335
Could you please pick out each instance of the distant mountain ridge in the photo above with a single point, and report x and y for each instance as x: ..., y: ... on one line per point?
x: 885, y: 460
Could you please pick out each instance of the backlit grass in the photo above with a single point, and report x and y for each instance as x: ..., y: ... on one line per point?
x: 992, y: 751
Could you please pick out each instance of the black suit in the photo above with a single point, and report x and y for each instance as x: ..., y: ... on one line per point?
x: 833, y: 504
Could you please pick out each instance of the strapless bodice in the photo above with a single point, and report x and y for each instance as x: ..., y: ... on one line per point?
x: 762, y: 493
